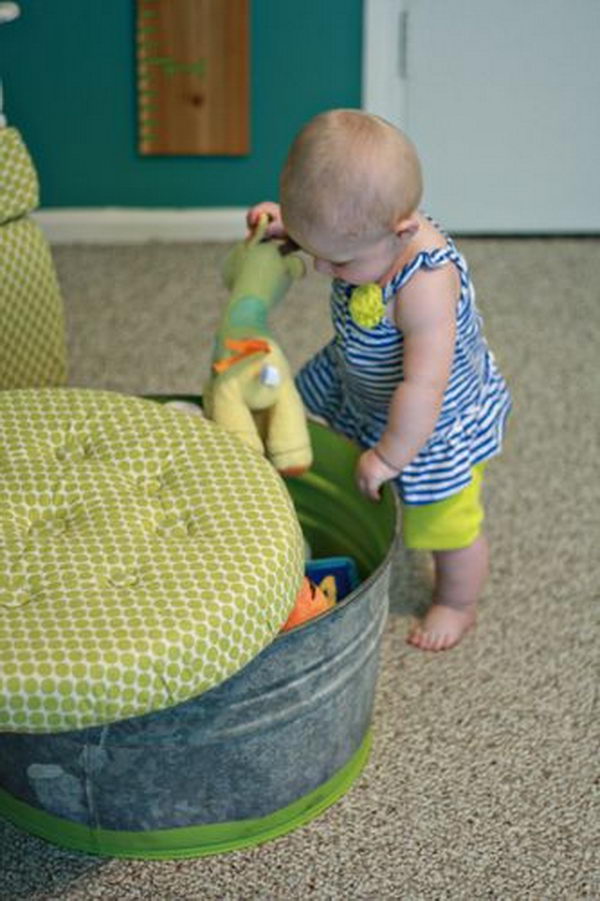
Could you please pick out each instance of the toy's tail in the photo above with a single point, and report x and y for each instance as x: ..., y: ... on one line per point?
x: 258, y: 232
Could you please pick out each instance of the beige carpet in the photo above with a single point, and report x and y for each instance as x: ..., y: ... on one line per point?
x: 481, y: 782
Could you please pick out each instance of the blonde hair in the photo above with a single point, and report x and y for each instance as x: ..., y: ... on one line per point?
x: 351, y: 173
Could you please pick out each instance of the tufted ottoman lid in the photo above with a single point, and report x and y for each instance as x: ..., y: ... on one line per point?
x: 145, y: 556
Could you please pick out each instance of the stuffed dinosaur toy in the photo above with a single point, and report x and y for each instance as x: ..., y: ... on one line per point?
x: 251, y: 390
x: 311, y: 601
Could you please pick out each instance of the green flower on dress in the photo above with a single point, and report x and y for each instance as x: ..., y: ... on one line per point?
x: 366, y: 306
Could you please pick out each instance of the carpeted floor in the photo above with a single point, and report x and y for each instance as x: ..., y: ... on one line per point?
x: 481, y: 782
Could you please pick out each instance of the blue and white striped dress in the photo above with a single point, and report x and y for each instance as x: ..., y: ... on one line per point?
x: 350, y: 383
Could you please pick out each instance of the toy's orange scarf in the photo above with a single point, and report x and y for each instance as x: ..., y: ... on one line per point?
x: 245, y: 347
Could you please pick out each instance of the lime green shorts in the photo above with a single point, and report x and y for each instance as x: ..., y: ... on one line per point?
x: 449, y: 524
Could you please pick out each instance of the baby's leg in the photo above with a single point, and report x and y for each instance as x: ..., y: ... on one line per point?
x: 459, y: 579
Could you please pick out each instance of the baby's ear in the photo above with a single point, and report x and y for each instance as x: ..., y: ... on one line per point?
x: 407, y: 228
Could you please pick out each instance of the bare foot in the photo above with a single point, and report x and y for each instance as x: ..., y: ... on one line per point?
x: 442, y: 628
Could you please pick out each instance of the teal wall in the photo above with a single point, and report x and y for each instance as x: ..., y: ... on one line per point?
x: 68, y: 71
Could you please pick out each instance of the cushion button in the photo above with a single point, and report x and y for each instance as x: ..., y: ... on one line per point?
x: 150, y: 485
x: 173, y: 526
x: 122, y: 578
x: 49, y: 525
x: 72, y: 449
x: 13, y: 591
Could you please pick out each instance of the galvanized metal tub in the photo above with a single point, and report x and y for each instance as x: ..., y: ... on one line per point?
x: 262, y: 753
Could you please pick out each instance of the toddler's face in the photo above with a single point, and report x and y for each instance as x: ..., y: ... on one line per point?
x: 357, y: 261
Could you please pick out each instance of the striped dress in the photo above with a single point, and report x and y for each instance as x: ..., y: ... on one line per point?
x: 350, y: 383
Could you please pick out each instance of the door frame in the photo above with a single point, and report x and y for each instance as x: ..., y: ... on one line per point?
x: 385, y: 59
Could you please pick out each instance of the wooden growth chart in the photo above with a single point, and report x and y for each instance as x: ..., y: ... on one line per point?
x: 193, y: 74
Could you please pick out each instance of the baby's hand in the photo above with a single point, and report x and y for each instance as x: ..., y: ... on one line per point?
x: 275, y: 227
x: 371, y: 473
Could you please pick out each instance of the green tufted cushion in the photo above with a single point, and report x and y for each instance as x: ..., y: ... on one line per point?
x: 32, y: 332
x: 145, y: 556
x: 19, y: 188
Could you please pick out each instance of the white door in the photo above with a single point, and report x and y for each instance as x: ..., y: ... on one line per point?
x: 502, y: 99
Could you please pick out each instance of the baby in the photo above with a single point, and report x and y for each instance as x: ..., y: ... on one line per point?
x: 408, y: 375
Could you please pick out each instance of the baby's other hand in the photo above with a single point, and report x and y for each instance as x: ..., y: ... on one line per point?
x: 275, y: 227
x: 372, y: 473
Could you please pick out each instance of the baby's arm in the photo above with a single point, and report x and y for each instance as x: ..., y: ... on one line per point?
x: 425, y: 311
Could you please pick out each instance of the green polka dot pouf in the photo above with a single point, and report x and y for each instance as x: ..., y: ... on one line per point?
x: 145, y: 556
x: 32, y: 333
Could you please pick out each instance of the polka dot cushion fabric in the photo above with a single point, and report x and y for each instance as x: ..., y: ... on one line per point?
x: 32, y: 333
x: 145, y: 556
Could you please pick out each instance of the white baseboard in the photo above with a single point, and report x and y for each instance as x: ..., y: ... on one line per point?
x: 116, y: 225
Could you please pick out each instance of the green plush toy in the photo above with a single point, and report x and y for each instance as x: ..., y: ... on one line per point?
x: 251, y: 391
